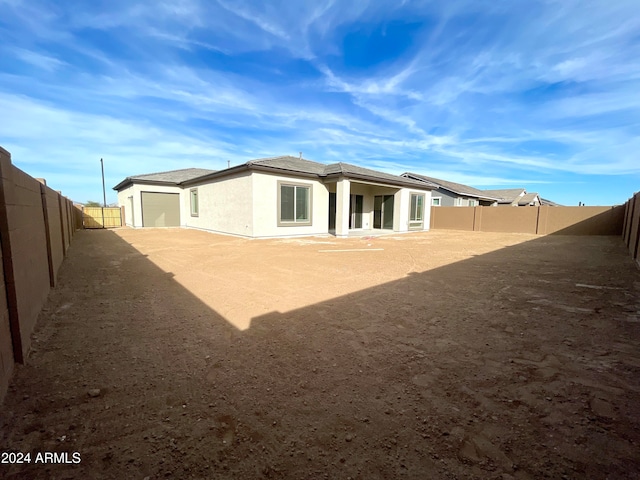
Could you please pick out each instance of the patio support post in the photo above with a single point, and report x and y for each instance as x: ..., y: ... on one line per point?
x: 343, y: 197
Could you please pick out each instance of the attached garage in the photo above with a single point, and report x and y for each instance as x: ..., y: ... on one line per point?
x: 160, y: 209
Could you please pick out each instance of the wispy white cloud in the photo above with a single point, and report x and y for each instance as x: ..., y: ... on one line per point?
x: 380, y: 86
x: 255, y: 18
x: 591, y: 104
x: 39, y: 60
x: 483, y: 93
x: 81, y: 138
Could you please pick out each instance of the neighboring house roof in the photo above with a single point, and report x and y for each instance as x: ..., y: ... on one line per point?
x: 544, y: 201
x: 171, y: 177
x: 507, y: 195
x: 528, y: 199
x: 308, y: 168
x: 457, y: 188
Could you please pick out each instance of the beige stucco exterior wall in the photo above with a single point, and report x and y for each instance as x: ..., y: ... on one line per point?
x: 427, y: 210
x: 405, y: 209
x: 246, y: 204
x: 225, y: 205
x: 123, y: 201
x: 402, y: 208
x: 136, y: 190
x: 265, y: 207
x: 401, y: 211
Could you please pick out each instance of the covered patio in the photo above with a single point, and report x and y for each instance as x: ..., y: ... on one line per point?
x: 360, y: 208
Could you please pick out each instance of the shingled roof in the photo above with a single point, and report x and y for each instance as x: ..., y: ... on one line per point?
x: 171, y: 177
x: 292, y: 164
x: 507, y: 195
x: 353, y: 171
x: 545, y: 201
x: 301, y: 166
x: 457, y: 188
x: 287, y: 163
x: 527, y: 199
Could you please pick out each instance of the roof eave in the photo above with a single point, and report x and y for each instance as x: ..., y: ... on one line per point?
x: 437, y: 185
x: 245, y: 167
x: 270, y: 169
x: 123, y: 184
x: 458, y: 192
x: 130, y: 181
x: 418, y: 178
x: 216, y: 174
x: 371, y: 178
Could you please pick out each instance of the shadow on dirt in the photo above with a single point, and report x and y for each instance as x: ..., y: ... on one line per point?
x: 522, y: 362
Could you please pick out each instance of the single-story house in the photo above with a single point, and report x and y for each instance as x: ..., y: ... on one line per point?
x: 275, y: 197
x: 515, y: 197
x: 451, y: 194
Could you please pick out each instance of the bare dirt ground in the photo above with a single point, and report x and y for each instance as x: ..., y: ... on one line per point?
x: 182, y: 354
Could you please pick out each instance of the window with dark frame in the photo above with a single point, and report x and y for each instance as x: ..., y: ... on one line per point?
x: 194, y: 202
x: 294, y: 204
x: 416, y: 212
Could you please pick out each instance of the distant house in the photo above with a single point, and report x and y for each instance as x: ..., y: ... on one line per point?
x: 544, y: 201
x: 515, y: 197
x: 451, y: 194
x: 277, y: 197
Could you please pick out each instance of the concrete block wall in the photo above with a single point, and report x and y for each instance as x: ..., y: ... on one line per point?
x: 581, y: 220
x: 506, y: 220
x: 55, y: 228
x: 6, y: 348
x: 453, y: 218
x: 36, y: 227
x: 631, y: 228
x: 29, y: 250
x: 543, y: 220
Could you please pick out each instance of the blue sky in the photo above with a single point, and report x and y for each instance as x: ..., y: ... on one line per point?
x: 543, y: 95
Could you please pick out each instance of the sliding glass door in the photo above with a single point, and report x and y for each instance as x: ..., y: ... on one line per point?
x: 332, y: 211
x: 355, y: 210
x: 383, y: 212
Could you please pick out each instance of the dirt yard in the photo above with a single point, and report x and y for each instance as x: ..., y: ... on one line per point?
x: 442, y: 355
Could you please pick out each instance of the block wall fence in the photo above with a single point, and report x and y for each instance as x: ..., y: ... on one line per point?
x: 544, y: 220
x: 37, y: 225
x: 631, y: 227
